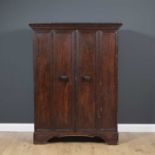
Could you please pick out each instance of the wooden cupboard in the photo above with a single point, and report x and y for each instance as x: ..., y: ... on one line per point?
x: 75, y: 80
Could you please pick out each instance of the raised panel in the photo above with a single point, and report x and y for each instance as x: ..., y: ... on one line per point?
x: 107, y: 81
x: 86, y: 80
x: 42, y: 80
x: 62, y: 95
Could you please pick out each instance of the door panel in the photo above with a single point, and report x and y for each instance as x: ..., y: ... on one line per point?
x: 86, y: 80
x: 107, y: 81
x: 61, y: 105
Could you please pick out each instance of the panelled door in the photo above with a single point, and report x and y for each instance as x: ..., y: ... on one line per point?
x: 96, y: 80
x: 54, y: 87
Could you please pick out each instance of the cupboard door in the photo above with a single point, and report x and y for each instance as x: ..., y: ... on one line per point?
x: 86, y: 49
x: 107, y: 81
x: 62, y: 73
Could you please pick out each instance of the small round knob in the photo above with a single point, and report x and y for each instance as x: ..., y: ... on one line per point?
x: 86, y: 78
x: 64, y: 78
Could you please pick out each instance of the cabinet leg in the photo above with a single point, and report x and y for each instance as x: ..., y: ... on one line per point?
x: 41, y: 138
x: 110, y: 138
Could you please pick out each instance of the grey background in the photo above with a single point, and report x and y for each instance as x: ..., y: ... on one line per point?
x: 136, y: 52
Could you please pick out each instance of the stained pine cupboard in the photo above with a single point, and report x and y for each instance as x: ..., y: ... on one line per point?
x: 75, y: 80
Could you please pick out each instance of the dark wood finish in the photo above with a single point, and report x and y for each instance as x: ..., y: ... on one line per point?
x: 86, y: 80
x: 75, y: 80
x: 62, y: 91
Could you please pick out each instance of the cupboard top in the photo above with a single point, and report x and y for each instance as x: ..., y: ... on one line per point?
x: 74, y: 26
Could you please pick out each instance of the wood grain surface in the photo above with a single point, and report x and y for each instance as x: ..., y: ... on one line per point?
x: 75, y: 80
